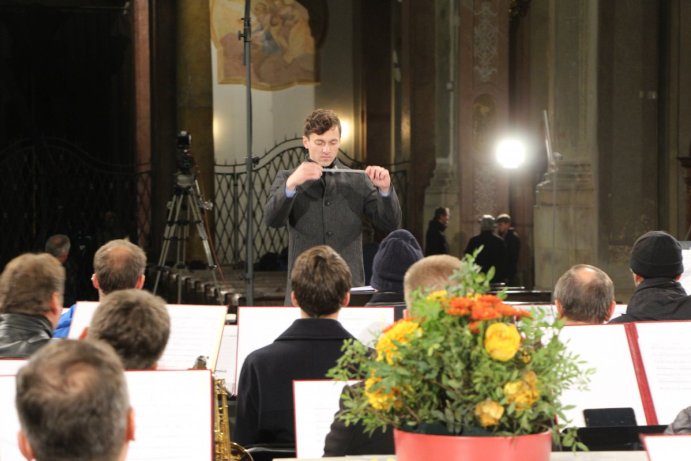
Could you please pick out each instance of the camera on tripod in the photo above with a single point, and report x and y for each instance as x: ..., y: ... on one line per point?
x: 185, y: 159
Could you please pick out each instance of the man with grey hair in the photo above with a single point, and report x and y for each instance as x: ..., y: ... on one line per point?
x: 59, y: 246
x: 118, y: 265
x: 31, y: 289
x: 584, y: 294
x: 136, y: 324
x: 72, y: 403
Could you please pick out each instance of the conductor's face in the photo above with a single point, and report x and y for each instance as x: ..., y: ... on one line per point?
x: 323, y: 148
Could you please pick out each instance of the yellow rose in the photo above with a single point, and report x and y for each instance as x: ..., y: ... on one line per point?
x: 502, y: 341
x: 400, y: 332
x: 379, y: 399
x: 489, y: 413
x: 522, y: 392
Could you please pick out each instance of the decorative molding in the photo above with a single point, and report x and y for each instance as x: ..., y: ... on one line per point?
x: 485, y: 41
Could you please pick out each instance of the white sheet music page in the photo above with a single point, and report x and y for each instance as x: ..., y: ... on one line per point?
x: 606, y: 349
x: 315, y: 403
x: 260, y: 326
x: 665, y: 350
x: 9, y: 423
x: 228, y: 356
x: 173, y: 415
x: 11, y: 366
x: 81, y: 318
x: 667, y: 447
x: 194, y: 330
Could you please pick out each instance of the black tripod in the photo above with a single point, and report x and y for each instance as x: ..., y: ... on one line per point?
x: 177, y: 229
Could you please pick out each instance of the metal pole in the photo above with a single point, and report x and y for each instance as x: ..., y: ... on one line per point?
x: 249, y: 242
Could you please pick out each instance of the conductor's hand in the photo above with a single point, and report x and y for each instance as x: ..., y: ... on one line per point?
x: 307, y: 171
x: 379, y: 177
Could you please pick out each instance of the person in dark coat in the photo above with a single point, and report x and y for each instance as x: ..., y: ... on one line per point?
x: 513, y: 247
x: 306, y: 350
x: 326, y: 208
x: 656, y: 263
x: 435, y: 240
x: 494, y: 253
x: 31, y: 289
x: 397, y: 252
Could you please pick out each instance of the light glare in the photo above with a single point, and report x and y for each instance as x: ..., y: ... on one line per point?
x: 510, y: 153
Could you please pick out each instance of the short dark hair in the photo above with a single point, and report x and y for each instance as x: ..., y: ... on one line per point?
x: 118, y: 264
x: 137, y: 325
x: 320, y: 121
x: 28, y: 283
x: 320, y: 279
x: 585, y: 294
x: 72, y: 402
x: 441, y: 211
x: 58, y: 245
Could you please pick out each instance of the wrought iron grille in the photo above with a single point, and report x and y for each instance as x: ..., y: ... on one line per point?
x: 230, y: 201
x: 53, y: 186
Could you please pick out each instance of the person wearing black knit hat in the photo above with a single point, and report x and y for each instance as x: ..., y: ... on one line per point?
x: 397, y: 252
x: 656, y: 264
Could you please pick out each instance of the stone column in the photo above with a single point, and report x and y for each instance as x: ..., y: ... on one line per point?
x: 565, y: 219
x: 195, y: 100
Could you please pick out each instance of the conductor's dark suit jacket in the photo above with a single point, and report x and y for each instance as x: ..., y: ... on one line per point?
x: 306, y: 350
x: 329, y: 212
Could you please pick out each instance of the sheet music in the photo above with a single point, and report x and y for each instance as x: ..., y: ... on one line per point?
x: 606, y: 349
x: 10, y: 367
x: 686, y: 275
x: 260, y: 326
x: 315, y: 403
x: 9, y: 423
x: 665, y: 350
x: 81, y: 318
x: 194, y: 330
x: 227, y: 357
x: 173, y: 416
x: 667, y: 447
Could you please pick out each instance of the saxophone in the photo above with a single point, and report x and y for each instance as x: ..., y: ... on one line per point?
x: 224, y: 448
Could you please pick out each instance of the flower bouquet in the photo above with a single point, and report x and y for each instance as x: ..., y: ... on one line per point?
x: 462, y: 363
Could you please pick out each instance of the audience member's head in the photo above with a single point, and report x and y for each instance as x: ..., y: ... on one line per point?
x: 58, y: 245
x: 430, y: 273
x: 656, y: 254
x: 137, y: 325
x: 73, y: 404
x: 487, y: 223
x: 33, y: 284
x: 396, y: 253
x: 118, y: 265
x: 503, y: 223
x: 320, y: 282
x: 441, y: 214
x: 584, y: 294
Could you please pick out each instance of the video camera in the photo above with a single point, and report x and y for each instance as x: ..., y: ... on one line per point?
x: 184, y: 157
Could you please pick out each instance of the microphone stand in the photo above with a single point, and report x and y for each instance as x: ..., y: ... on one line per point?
x: 246, y: 36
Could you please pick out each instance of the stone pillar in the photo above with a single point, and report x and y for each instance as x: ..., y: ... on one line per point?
x: 565, y: 214
x: 195, y: 100
x: 483, y: 111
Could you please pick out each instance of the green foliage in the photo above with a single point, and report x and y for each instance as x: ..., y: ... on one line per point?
x: 458, y: 350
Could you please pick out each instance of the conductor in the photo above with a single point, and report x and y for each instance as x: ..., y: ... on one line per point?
x: 322, y: 201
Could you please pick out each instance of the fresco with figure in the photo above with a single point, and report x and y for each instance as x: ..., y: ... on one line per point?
x: 283, y: 44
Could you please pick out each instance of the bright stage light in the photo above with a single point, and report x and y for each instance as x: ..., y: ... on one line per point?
x: 510, y: 153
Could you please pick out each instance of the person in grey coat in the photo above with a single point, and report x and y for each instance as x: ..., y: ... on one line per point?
x: 323, y: 202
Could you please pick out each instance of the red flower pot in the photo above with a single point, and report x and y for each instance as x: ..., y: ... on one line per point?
x: 411, y: 446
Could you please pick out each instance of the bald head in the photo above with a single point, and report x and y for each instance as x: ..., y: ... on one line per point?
x: 584, y: 294
x: 429, y: 274
x: 119, y: 265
